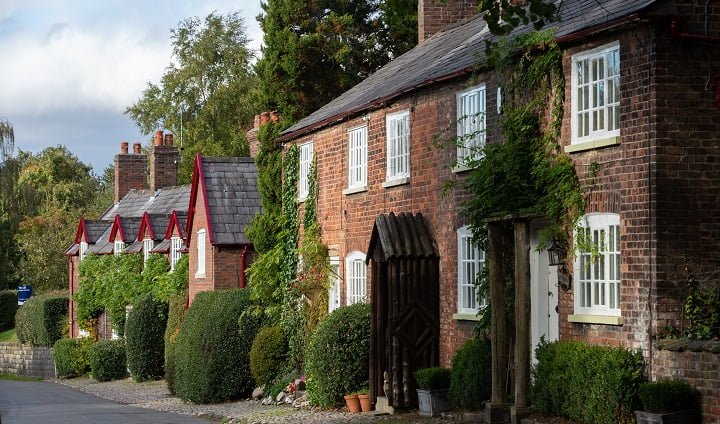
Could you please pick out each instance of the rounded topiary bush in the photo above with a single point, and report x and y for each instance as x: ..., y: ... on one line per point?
x: 109, y: 361
x: 145, y: 329
x: 336, y: 359
x: 212, y: 350
x: 470, y: 383
x: 268, y: 355
x: 176, y: 314
x: 72, y: 357
x: 40, y: 320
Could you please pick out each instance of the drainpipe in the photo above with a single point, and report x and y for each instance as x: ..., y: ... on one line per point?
x: 243, y: 264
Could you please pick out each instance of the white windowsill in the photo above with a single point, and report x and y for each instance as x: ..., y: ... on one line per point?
x: 200, y: 275
x: 301, y: 199
x: 396, y: 182
x: 353, y: 190
x: 465, y: 317
x: 592, y: 144
x: 460, y: 168
x: 596, y: 319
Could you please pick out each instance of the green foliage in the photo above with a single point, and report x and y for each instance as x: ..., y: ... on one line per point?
x: 502, y: 16
x: 666, y: 396
x: 176, y: 314
x: 8, y: 308
x: 471, y: 379
x: 433, y: 378
x: 72, y: 357
x: 586, y: 383
x: 169, y: 284
x: 205, y: 90
x: 702, y: 310
x: 212, y: 351
x: 40, y: 320
x: 108, y: 360
x: 268, y: 355
x: 145, y: 331
x: 336, y: 360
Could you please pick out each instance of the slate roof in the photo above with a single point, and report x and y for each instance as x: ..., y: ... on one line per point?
x: 162, y: 247
x: 135, y: 247
x: 233, y: 199
x: 452, y: 52
x: 130, y: 227
x: 102, y: 246
x: 162, y: 201
x: 401, y: 236
x: 94, y: 230
x: 159, y: 224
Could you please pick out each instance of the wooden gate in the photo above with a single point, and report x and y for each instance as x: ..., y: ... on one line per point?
x: 405, y: 306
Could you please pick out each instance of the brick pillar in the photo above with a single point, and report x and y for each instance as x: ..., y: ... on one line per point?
x: 163, y: 162
x: 130, y: 171
x: 434, y: 15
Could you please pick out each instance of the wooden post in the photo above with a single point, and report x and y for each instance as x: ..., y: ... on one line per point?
x: 522, y: 313
x: 498, y: 328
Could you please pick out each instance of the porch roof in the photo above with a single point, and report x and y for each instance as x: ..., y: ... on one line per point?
x: 401, y: 236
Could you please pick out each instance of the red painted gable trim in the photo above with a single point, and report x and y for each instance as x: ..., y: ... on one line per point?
x: 116, y: 226
x: 198, y: 182
x: 82, y: 229
x: 172, y: 224
x: 145, y: 225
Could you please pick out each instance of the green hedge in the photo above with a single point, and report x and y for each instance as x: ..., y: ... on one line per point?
x: 8, y: 308
x: 268, y: 355
x: 586, y: 383
x: 212, y: 351
x: 72, y: 357
x: 145, y: 331
x: 336, y: 359
x: 40, y: 320
x: 471, y: 378
x: 109, y: 360
x: 176, y: 314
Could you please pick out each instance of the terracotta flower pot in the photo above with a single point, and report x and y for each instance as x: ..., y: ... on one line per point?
x: 353, y: 403
x: 365, y: 403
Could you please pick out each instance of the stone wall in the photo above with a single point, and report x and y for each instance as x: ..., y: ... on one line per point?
x: 29, y: 361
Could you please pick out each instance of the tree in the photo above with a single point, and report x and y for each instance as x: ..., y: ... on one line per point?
x: 502, y: 16
x: 9, y: 214
x: 316, y: 50
x: 204, y: 94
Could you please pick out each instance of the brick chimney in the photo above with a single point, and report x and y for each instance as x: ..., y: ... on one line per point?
x: 434, y: 15
x: 130, y: 170
x: 252, y: 134
x: 163, y: 162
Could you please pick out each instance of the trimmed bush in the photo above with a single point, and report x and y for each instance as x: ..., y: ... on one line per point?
x: 336, y: 359
x: 586, y: 383
x: 212, y: 351
x: 8, y: 308
x: 145, y: 329
x: 40, y: 320
x: 176, y: 314
x: 471, y: 378
x: 72, y: 357
x: 109, y: 361
x: 268, y: 355
x: 666, y: 396
x: 433, y: 378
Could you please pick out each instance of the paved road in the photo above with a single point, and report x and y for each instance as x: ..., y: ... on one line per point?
x: 47, y: 403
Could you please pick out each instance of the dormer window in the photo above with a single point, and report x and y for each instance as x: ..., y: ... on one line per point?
x: 83, y: 249
x: 176, y: 245
x: 148, y: 245
x: 118, y: 247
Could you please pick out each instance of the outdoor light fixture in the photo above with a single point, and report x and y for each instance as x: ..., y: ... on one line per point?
x: 556, y: 253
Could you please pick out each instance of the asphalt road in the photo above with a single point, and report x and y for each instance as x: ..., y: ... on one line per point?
x: 24, y: 402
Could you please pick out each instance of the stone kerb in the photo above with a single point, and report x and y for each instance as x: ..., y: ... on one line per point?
x: 27, y: 361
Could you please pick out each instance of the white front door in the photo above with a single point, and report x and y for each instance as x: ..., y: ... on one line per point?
x: 543, y: 294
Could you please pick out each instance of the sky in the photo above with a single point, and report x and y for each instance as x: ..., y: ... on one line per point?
x: 69, y: 69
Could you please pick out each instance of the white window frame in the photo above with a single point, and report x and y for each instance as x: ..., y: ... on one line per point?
x: 356, y: 278
x: 597, y: 286
x: 471, y: 125
x: 334, y: 291
x: 306, y: 158
x: 175, y: 248
x: 470, y: 262
x: 118, y: 247
x: 83, y: 250
x: 201, y: 251
x: 397, y: 130
x: 357, y: 157
x: 148, y: 245
x: 594, y: 116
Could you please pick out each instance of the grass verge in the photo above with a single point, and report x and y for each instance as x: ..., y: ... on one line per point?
x: 8, y: 336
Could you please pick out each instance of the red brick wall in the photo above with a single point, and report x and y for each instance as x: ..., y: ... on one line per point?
x: 73, y: 278
x: 196, y: 284
x: 130, y: 173
x: 163, y: 167
x: 227, y: 267
x: 434, y: 15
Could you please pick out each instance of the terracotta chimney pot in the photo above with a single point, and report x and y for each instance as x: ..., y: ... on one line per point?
x: 158, y: 138
x: 264, y: 118
x: 123, y: 147
x: 136, y: 148
x: 274, y: 117
x: 168, y: 139
x: 256, y: 123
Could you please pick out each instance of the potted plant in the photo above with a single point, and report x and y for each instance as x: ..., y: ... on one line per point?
x: 432, y: 391
x: 352, y: 402
x: 666, y: 402
x: 364, y: 399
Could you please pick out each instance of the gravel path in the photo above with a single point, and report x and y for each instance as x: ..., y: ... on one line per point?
x: 154, y: 395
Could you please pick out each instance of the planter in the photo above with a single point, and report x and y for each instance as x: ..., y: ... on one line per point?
x: 433, y: 402
x: 680, y: 417
x: 365, y: 403
x: 353, y: 403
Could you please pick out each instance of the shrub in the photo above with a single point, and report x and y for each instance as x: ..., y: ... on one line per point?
x: 176, y: 314
x: 40, y: 320
x: 433, y: 378
x: 336, y: 359
x: 145, y: 329
x: 471, y: 378
x: 666, y: 396
x: 267, y: 355
x: 8, y: 308
x: 109, y: 361
x: 585, y: 383
x: 72, y: 357
x: 212, y: 351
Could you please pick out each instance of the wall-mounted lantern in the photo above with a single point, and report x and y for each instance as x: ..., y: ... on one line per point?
x: 556, y: 254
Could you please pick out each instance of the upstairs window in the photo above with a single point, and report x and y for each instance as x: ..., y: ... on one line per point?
x: 596, y: 94
x: 83, y: 249
x: 471, y: 260
x: 355, y: 271
x: 148, y: 245
x: 398, y: 145
x: 357, y: 160
x: 306, y: 157
x: 118, y: 247
x: 470, y: 124
x: 200, y: 273
x: 176, y: 246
